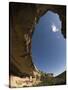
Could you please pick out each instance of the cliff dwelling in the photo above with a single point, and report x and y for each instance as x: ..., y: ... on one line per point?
x: 22, y: 20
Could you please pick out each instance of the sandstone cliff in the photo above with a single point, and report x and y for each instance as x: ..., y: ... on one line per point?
x: 23, y: 18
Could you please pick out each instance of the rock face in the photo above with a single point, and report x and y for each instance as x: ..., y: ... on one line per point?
x: 23, y: 18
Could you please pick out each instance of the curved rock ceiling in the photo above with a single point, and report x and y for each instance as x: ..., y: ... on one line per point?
x: 23, y: 18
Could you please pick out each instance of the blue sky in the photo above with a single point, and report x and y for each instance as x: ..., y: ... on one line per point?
x: 49, y: 45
